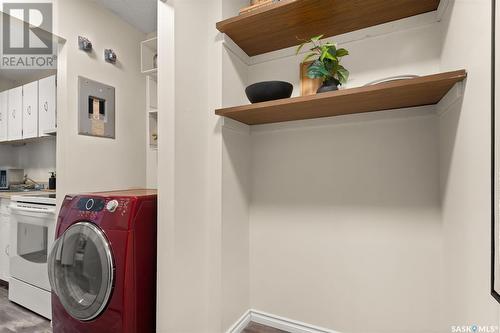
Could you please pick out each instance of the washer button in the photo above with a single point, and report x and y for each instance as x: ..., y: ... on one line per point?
x: 89, y: 204
x: 112, y: 206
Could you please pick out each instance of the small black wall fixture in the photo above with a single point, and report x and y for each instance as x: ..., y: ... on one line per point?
x: 110, y: 56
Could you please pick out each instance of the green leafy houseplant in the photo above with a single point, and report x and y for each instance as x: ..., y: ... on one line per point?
x: 327, y: 65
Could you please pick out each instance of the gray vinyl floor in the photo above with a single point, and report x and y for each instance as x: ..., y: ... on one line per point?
x: 16, y: 319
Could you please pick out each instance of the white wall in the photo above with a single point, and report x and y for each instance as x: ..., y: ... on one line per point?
x: 190, y: 156
x: 354, y: 223
x: 37, y: 158
x: 236, y: 161
x: 235, y: 224
x: 465, y: 143
x: 90, y: 163
x: 166, y: 286
x: 345, y: 228
x: 451, y: 249
x: 203, y: 270
x: 6, y: 159
x: 390, y: 54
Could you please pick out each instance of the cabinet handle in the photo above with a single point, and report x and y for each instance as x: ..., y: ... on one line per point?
x: 29, y: 110
x: 7, y: 250
x: 14, y: 113
x: 46, y: 106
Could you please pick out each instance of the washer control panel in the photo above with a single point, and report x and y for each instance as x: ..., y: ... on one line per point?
x: 92, y: 206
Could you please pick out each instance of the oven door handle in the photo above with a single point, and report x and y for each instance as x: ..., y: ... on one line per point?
x: 31, y: 210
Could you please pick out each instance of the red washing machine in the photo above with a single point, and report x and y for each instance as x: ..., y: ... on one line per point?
x: 102, y: 267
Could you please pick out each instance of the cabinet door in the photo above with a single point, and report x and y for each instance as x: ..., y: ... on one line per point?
x: 47, y: 105
x: 15, y: 119
x: 4, y: 112
x: 30, y: 110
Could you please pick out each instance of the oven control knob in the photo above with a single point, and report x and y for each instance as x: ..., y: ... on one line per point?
x: 112, y: 206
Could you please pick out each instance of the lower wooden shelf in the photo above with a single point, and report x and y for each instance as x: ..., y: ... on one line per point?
x: 425, y: 90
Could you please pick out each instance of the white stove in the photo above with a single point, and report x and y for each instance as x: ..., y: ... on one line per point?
x: 35, y: 198
x: 33, y: 219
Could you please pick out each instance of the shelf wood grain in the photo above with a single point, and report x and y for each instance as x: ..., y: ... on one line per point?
x: 425, y: 90
x: 285, y: 23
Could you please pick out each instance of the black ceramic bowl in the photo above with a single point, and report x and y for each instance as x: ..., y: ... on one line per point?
x: 268, y: 91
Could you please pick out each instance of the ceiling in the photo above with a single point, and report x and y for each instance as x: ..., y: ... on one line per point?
x: 142, y: 14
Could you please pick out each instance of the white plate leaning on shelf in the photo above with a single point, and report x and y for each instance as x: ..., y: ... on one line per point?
x: 392, y: 78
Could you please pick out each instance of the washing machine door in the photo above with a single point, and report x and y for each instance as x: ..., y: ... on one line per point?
x: 81, y: 270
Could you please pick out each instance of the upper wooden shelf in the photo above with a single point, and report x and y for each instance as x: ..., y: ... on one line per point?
x: 287, y: 22
x: 425, y: 90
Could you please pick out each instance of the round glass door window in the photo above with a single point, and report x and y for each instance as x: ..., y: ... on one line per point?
x: 81, y: 270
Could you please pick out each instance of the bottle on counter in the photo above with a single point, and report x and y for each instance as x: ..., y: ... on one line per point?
x: 52, y: 181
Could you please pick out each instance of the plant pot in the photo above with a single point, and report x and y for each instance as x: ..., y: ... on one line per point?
x: 329, y: 85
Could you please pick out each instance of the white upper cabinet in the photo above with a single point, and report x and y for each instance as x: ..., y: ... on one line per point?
x: 47, y: 105
x: 4, y: 114
x: 15, y: 119
x: 30, y: 110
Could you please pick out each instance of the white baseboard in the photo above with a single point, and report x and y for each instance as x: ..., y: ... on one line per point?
x: 274, y: 321
x: 241, y: 323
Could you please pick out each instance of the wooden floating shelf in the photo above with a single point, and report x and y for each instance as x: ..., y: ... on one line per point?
x: 425, y: 90
x: 283, y: 24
